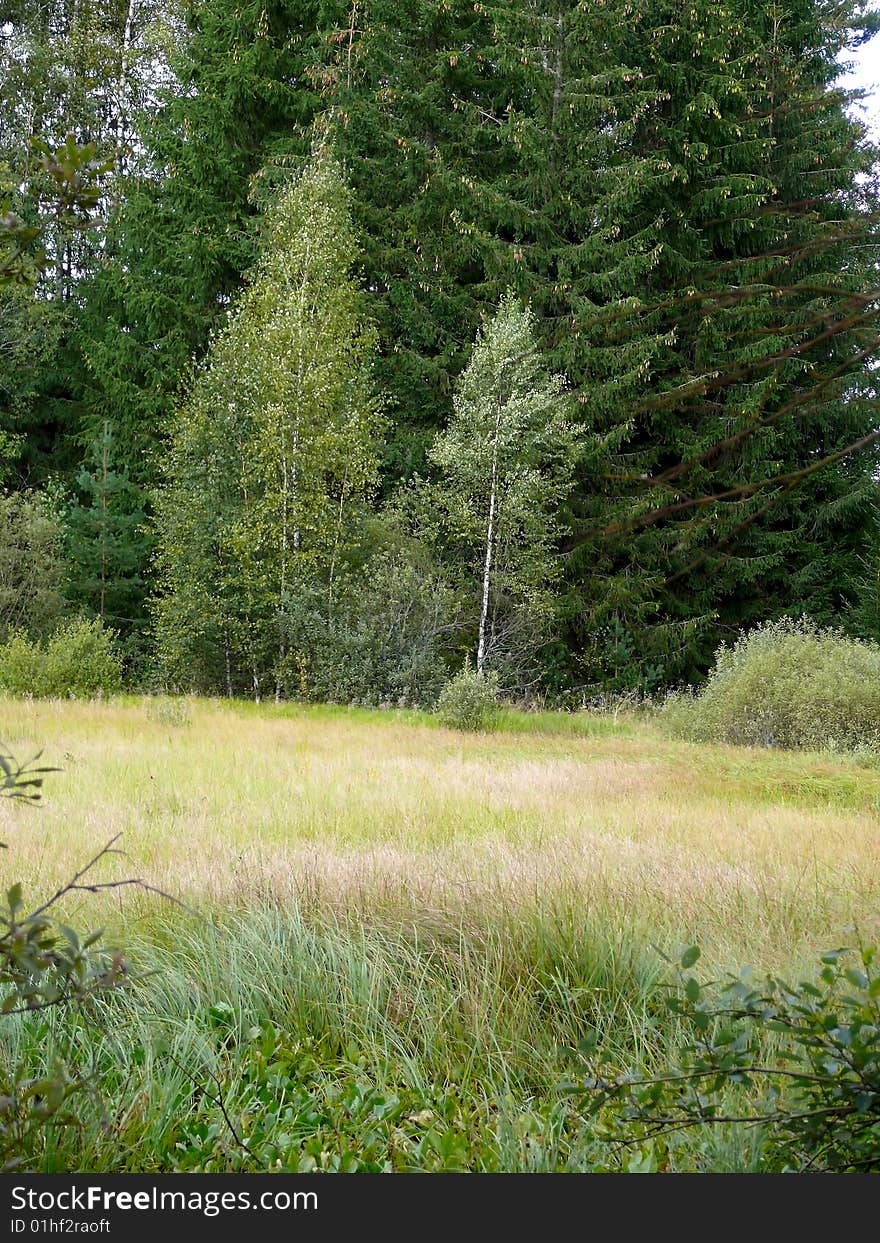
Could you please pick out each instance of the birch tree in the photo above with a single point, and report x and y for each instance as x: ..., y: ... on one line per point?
x: 506, y: 461
x: 276, y: 448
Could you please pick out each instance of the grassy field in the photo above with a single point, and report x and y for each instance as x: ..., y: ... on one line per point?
x: 405, y: 932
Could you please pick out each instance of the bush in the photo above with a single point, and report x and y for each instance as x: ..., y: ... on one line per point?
x: 80, y: 660
x: 44, y: 965
x: 470, y: 700
x: 32, y: 567
x: 787, y: 685
x: 386, y: 642
x: 814, y: 1087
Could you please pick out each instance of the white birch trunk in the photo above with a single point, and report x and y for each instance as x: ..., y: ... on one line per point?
x: 290, y: 480
x: 490, y: 541
x: 122, y: 102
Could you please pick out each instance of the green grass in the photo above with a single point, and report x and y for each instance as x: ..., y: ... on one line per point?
x: 404, y: 933
x: 367, y: 1049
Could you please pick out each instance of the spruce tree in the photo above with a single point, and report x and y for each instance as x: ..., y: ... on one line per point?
x: 419, y: 108
x: 180, y: 242
x: 106, y: 540
x: 676, y: 191
x: 274, y: 453
x: 729, y: 343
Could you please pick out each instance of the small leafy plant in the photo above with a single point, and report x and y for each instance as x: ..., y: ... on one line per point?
x: 79, y: 660
x: 470, y: 700
x: 22, y: 781
x: 800, y: 1061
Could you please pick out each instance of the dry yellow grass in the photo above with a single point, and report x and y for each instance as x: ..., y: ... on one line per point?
x: 756, y: 855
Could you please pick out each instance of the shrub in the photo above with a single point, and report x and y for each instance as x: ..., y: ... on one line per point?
x: 814, y: 1087
x: 470, y: 700
x: 32, y: 567
x: 21, y: 666
x: 787, y: 685
x: 386, y: 641
x: 44, y: 965
x: 79, y: 660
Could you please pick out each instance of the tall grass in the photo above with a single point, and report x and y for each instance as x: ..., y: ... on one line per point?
x: 461, y: 1048
x: 405, y: 933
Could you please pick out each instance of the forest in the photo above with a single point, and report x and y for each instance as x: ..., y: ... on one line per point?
x: 401, y: 338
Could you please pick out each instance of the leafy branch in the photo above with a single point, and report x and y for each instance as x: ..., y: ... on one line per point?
x: 818, y: 1100
x: 46, y: 965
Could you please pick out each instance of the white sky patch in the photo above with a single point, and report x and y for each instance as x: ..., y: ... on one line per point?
x: 864, y: 74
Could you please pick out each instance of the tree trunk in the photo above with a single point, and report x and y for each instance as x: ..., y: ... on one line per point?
x: 490, y: 540
x: 122, y: 114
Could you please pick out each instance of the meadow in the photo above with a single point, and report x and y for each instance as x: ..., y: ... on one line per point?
x: 399, y: 935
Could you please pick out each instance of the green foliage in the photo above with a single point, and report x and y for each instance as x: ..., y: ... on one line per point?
x: 505, y: 464
x: 470, y: 700
x: 392, y: 628
x: 682, y: 198
x: 335, y: 1046
x: 22, y: 781
x: 238, y: 97
x: 863, y: 619
x: 74, y: 174
x: 425, y: 110
x: 803, y: 1060
x: 275, y: 453
x: 79, y: 660
x: 303, y: 1111
x: 728, y: 347
x: 31, y: 330
x: 106, y: 540
x: 21, y: 665
x: 787, y: 684
x: 45, y: 965
x: 78, y: 80
x: 33, y: 571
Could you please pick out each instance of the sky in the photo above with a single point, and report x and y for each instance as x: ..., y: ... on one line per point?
x: 865, y: 74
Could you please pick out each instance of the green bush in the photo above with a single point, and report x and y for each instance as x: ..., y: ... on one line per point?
x: 32, y: 568
x: 385, y: 643
x: 21, y: 665
x: 790, y: 685
x: 80, y: 660
x: 470, y: 700
x: 801, y: 1061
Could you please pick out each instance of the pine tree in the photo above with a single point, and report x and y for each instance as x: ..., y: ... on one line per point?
x: 729, y: 343
x: 181, y: 241
x: 274, y: 454
x: 107, y: 543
